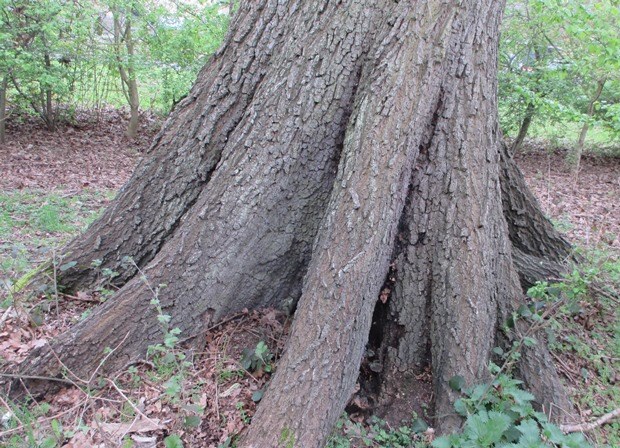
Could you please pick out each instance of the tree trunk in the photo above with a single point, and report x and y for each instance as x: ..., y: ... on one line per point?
x: 3, y: 87
x: 325, y: 148
x: 50, y: 115
x: 524, y: 128
x: 530, y: 109
x: 123, y: 37
x: 574, y: 155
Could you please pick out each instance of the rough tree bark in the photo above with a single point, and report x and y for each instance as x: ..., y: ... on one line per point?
x: 326, y: 147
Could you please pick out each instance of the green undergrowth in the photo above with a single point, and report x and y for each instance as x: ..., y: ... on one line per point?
x: 600, y: 141
x: 35, y: 222
x: 585, y: 336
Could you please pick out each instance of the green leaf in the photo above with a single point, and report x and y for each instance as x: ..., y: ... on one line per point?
x: 553, y: 433
x: 457, y: 383
x: 67, y: 266
x: 520, y: 396
x: 49, y: 442
x: 257, y: 395
x: 173, y: 441
x: 488, y: 428
x: 419, y: 425
x: 192, y: 421
x: 442, y: 442
x: 460, y: 407
x: 261, y: 349
x: 530, y: 432
x: 524, y: 311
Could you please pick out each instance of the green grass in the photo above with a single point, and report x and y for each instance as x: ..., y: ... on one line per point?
x: 34, y: 222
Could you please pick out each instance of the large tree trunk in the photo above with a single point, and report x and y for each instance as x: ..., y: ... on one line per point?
x: 324, y: 143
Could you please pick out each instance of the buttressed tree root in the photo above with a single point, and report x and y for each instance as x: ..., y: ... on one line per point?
x: 324, y: 146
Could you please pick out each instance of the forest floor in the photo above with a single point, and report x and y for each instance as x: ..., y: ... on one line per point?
x: 52, y: 185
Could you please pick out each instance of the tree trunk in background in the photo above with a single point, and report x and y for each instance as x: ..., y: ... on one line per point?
x: 3, y: 86
x: 325, y: 148
x: 524, y: 128
x: 123, y: 37
x: 574, y: 155
x: 530, y: 109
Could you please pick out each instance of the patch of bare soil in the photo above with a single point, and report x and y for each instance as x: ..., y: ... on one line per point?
x: 92, y: 152
x: 586, y: 208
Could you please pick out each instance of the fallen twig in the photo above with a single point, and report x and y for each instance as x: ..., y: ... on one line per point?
x: 130, y: 403
x: 37, y: 377
x: 583, y: 427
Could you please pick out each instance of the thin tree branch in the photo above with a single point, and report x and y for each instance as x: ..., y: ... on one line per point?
x: 583, y: 427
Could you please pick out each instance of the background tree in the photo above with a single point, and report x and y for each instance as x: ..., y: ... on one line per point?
x: 554, y: 53
x: 41, y: 41
x: 57, y: 56
x: 124, y: 48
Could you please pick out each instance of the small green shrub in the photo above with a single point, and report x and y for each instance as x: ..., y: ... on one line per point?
x: 258, y: 358
x: 501, y: 415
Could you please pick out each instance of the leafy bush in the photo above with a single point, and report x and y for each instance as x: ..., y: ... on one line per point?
x: 501, y: 414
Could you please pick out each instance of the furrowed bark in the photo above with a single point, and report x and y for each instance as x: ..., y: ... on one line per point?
x: 453, y: 276
x: 327, y: 146
x: 456, y: 266
x: 317, y: 374
x: 248, y: 239
x: 185, y: 153
x: 539, y: 250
